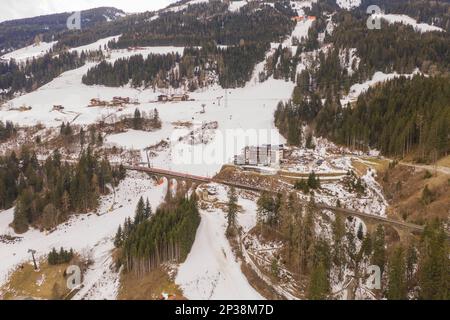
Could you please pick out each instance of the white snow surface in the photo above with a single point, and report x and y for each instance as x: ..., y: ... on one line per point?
x: 357, y: 89
x: 29, y: 52
x: 96, y: 45
x: 235, y: 6
x: 407, y: 20
x: 348, y: 4
x: 211, y: 270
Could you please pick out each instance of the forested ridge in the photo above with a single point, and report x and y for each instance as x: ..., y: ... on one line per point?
x: 404, y: 116
x: 196, y: 24
x: 399, y: 117
x: 197, y: 68
x: 149, y: 240
x: 154, y: 69
x: 26, y: 77
x: 392, y: 48
x: 15, y: 34
x: 416, y: 269
x: 208, y: 22
x: 46, y: 193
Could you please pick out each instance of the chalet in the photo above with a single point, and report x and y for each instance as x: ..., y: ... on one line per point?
x: 179, y: 97
x: 98, y: 103
x: 163, y: 98
x: 119, y: 101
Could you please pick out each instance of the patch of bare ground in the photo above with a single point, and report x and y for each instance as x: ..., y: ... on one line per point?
x: 416, y: 195
x: 158, y: 284
x: 261, y: 286
x: 236, y: 174
x: 49, y: 282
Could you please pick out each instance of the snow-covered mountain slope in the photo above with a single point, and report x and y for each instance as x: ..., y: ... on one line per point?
x: 404, y: 19
x: 348, y: 4
x: 211, y: 270
x: 237, y: 5
x: 357, y: 89
x: 18, y: 9
x: 29, y: 52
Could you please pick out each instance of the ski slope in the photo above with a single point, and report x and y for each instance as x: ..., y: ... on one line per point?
x: 404, y: 19
x: 233, y: 113
x: 211, y: 270
x: 379, y: 77
x: 30, y: 52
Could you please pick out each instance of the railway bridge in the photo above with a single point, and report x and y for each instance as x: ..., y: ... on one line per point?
x: 403, y: 229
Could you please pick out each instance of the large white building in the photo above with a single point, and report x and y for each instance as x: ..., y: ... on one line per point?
x: 265, y: 155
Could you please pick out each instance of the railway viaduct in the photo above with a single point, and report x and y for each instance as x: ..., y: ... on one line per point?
x: 403, y: 229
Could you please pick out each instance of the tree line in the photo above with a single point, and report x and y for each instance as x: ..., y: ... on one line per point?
x: 59, y: 257
x: 156, y: 70
x: 46, y: 193
x: 418, y: 269
x: 7, y: 130
x: 32, y: 74
x: 399, y: 117
x: 207, y: 22
x: 195, y: 69
x: 149, y: 240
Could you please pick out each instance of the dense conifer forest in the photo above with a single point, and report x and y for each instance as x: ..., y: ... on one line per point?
x: 19, y: 33
x: 198, y: 67
x: 416, y: 269
x: 208, y: 22
x: 149, y: 239
x: 25, y: 77
x: 47, y: 193
x: 150, y: 71
x: 399, y: 117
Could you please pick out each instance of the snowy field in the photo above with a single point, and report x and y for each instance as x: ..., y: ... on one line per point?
x: 379, y: 77
x: 236, y: 113
x: 211, y: 270
x: 30, y: 52
x: 404, y: 19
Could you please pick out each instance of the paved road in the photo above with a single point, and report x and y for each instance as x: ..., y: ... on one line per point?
x: 431, y: 168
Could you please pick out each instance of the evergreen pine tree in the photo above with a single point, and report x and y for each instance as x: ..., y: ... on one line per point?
x: 232, y: 209
x: 397, y: 286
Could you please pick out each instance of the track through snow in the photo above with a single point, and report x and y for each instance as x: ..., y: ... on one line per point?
x: 211, y: 270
